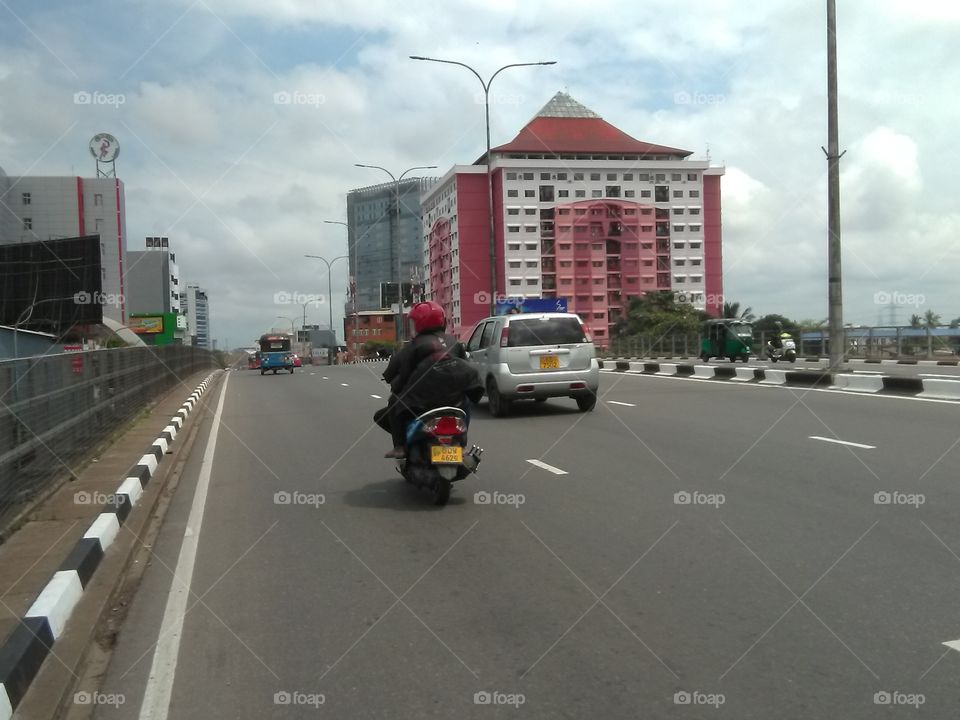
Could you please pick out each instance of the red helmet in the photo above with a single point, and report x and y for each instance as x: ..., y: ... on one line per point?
x: 428, y: 316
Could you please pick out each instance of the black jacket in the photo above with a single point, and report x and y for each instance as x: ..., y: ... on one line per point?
x: 432, y: 343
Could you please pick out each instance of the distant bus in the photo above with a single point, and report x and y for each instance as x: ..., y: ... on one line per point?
x: 275, y: 353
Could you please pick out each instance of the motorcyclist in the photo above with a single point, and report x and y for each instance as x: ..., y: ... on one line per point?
x: 776, y: 342
x: 428, y: 372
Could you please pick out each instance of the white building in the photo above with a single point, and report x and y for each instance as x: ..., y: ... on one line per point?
x: 153, y: 278
x: 195, y: 307
x: 44, y: 208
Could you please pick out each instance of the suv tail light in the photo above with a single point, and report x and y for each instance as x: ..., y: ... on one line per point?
x: 445, y: 425
x: 504, y: 336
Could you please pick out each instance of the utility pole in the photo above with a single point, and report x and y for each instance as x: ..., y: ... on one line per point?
x: 838, y: 343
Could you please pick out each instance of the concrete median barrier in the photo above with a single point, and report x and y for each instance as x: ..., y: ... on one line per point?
x: 858, y: 383
x: 746, y: 374
x: 704, y: 371
x: 774, y: 377
x: 940, y: 389
x: 902, y: 385
x: 667, y: 368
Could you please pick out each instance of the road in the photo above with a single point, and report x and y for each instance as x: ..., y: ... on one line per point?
x: 782, y: 589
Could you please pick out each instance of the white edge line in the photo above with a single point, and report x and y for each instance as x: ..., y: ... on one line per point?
x: 548, y: 468
x: 378, y: 397
x: 617, y: 402
x: 843, y: 442
x: 156, y: 697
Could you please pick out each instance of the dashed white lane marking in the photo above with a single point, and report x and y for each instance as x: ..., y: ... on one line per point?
x: 325, y: 377
x: 376, y: 396
x: 548, y: 468
x: 843, y: 442
x: 617, y: 402
x: 344, y: 384
x: 953, y: 644
x: 944, y: 377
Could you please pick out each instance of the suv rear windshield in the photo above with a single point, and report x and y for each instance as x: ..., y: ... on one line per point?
x: 545, y: 331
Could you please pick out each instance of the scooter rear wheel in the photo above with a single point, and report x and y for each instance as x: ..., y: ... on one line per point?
x: 441, y: 491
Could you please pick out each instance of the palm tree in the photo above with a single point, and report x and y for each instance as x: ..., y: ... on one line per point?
x: 916, y: 321
x: 930, y: 321
x: 732, y: 310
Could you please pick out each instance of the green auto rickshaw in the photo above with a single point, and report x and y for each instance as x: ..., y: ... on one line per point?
x: 726, y: 338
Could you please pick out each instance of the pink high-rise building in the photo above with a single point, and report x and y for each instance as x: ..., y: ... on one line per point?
x: 582, y: 211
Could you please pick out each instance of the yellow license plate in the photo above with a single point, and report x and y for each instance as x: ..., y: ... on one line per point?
x: 444, y: 454
x: 549, y: 362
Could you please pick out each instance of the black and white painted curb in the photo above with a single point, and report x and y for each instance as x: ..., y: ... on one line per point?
x: 928, y: 388
x: 369, y: 360
x: 29, y: 644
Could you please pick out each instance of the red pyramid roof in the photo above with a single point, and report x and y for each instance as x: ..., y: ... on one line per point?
x: 565, y: 126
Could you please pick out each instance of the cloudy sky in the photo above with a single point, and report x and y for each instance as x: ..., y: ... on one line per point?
x: 242, y: 183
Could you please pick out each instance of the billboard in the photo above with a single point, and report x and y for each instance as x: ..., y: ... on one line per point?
x: 52, y: 285
x: 147, y: 324
x: 531, y: 305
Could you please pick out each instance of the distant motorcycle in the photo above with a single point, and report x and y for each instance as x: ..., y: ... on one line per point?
x: 436, y: 456
x: 787, y: 351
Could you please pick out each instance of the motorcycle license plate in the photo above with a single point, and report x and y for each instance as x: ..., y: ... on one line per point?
x: 442, y: 454
x: 549, y: 362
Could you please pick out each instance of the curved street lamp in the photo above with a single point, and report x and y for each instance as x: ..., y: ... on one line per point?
x: 486, y: 107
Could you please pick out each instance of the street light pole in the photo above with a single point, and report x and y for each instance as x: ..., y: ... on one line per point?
x: 329, y: 284
x: 486, y: 108
x: 352, y: 286
x: 293, y: 330
x: 838, y: 344
x: 395, y: 236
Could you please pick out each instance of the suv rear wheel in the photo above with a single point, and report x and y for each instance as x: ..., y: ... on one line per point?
x: 498, y: 406
x: 586, y: 403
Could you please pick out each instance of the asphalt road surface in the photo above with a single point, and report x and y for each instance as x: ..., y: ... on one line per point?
x: 687, y: 550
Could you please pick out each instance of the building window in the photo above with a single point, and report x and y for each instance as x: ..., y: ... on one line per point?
x: 627, y: 177
x: 644, y: 177
x: 514, y: 281
x: 594, y: 176
x: 680, y: 262
x: 531, y: 263
x: 531, y: 246
x: 596, y: 193
x: 629, y: 193
x: 695, y: 246
x: 546, y: 193
x: 561, y: 176
x: 513, y: 228
x: 679, y: 279
x: 28, y: 223
x: 678, y: 211
x: 512, y: 193
x: 98, y: 199
x: 563, y: 193
x: 613, y: 191
x: 528, y: 176
x: 513, y: 246
x: 578, y: 176
x: 511, y: 176
x: 660, y: 177
x: 544, y: 176
x: 694, y: 193
x: 676, y: 176
x: 612, y: 176
x: 530, y: 228
x: 25, y: 197
x: 695, y: 228
x: 692, y: 176
x: 661, y: 193
x: 696, y: 262
x: 644, y: 193
x: 513, y: 211
x: 529, y: 193
x: 532, y: 281
x: 678, y: 228
x: 580, y: 193
x: 529, y: 211
x: 694, y: 211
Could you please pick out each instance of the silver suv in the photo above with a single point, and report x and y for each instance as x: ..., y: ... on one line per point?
x: 535, y: 356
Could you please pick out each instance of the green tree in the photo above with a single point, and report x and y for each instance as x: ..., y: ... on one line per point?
x: 930, y: 321
x: 732, y: 310
x: 656, y: 315
x: 955, y: 323
x: 767, y: 323
x: 916, y: 321
x: 810, y: 324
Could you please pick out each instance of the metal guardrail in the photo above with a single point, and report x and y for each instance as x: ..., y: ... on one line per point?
x: 56, y: 409
x: 895, y: 343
